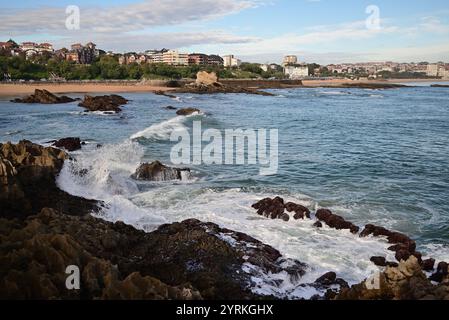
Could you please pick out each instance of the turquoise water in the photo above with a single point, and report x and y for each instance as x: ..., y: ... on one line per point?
x: 372, y: 156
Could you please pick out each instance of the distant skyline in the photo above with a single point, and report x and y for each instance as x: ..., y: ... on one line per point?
x: 322, y: 31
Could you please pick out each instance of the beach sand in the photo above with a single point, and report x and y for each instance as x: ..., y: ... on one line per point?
x: 10, y: 90
x: 17, y: 90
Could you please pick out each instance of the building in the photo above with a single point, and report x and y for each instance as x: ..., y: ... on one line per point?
x: 82, y: 54
x: 174, y: 58
x: 230, y: 61
x: 215, y: 60
x: 290, y: 60
x: 432, y: 70
x: 296, y: 72
x: 198, y: 59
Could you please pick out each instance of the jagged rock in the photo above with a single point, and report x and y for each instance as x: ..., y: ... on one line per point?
x: 327, y: 279
x: 404, y: 246
x: 405, y: 282
x: 44, y: 97
x: 70, y: 144
x: 109, y: 103
x: 187, y: 111
x: 206, y: 78
x: 156, y: 171
x: 428, y: 264
x: 27, y: 173
x: 441, y: 274
x: 300, y: 211
x: 270, y: 208
x: 119, y: 261
x: 35, y: 255
x: 335, y: 221
x: 170, y: 108
x: 379, y: 261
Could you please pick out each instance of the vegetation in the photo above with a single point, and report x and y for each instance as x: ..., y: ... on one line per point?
x: 105, y: 67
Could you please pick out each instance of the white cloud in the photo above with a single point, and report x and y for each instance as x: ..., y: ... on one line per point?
x: 137, y: 16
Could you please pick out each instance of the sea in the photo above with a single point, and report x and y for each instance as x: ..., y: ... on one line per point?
x: 371, y: 156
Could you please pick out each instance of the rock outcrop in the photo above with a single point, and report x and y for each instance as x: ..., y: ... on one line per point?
x: 44, y: 97
x: 187, y: 111
x: 207, y: 83
x: 156, y: 171
x: 187, y: 260
x: 35, y: 254
x: 206, y: 78
x: 404, y: 282
x: 335, y: 221
x: 69, y: 144
x: 109, y: 103
x: 27, y: 175
x: 272, y: 208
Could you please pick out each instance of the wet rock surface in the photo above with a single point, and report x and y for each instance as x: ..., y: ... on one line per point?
x: 404, y: 282
x: 44, y: 97
x: 156, y: 171
x: 187, y: 111
x: 28, y: 181
x: 335, y: 221
x: 107, y: 103
x: 70, y: 144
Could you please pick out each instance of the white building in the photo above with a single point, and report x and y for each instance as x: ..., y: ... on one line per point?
x: 432, y: 70
x: 231, y: 61
x: 296, y: 72
x: 265, y: 67
x: 174, y: 58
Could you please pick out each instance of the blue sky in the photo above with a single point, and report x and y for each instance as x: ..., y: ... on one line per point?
x: 323, y: 31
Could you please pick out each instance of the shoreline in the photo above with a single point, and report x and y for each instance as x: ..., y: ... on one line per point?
x: 13, y: 90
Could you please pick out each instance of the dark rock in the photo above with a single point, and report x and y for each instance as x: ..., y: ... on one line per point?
x: 327, y: 279
x: 27, y: 176
x: 403, y: 242
x: 441, y: 273
x: 163, y: 93
x: 428, y: 264
x: 300, y: 211
x: 439, y: 86
x: 44, y: 97
x: 156, y: 171
x: 187, y: 111
x: 367, y: 85
x: 220, y: 88
x: 379, y: 261
x: 402, y: 255
x: 170, y: 108
x: 70, y: 144
x: 109, y: 103
x: 318, y: 224
x: 335, y: 221
x: 270, y: 208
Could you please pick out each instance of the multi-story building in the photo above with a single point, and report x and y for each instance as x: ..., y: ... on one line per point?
x: 82, y: 54
x: 174, y: 58
x: 198, y: 59
x: 231, y: 61
x: 215, y: 60
x: 432, y: 70
x: 290, y: 60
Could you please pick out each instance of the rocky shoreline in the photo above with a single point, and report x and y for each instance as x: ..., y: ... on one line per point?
x: 43, y: 230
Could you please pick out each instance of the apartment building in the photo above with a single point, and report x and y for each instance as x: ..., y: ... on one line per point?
x: 174, y: 58
x: 231, y: 61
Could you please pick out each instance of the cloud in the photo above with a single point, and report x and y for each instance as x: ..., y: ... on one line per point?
x: 136, y: 16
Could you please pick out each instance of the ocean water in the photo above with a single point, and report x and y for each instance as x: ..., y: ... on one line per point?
x: 372, y: 156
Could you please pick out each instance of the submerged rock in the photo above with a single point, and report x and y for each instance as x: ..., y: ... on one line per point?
x: 170, y: 108
x: 70, y: 144
x: 44, y: 97
x: 28, y: 175
x: 187, y: 111
x: 156, y: 171
x: 106, y: 103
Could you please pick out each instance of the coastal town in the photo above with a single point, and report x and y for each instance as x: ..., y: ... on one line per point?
x: 290, y: 68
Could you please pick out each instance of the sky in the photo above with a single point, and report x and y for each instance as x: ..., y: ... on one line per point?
x: 321, y: 31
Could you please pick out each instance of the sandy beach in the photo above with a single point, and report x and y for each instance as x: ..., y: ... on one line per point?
x: 15, y: 90
x: 8, y: 90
